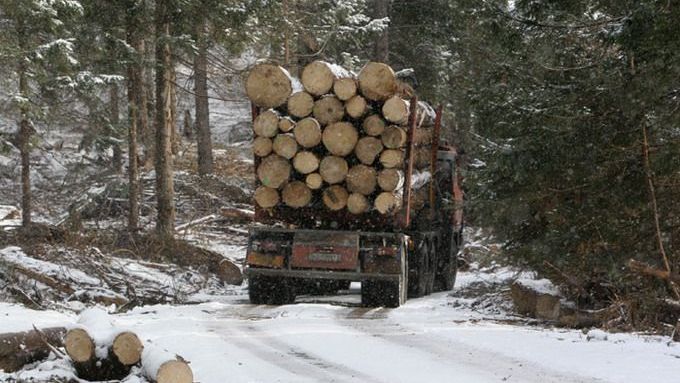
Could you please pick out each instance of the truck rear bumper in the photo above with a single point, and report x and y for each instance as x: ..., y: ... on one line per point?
x: 320, y: 274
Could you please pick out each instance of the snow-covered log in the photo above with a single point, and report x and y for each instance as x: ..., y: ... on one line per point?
x: 161, y: 366
x: 20, y: 348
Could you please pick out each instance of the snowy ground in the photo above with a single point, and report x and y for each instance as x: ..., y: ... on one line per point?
x: 447, y: 337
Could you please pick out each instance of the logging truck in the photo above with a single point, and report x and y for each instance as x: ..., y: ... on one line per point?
x: 353, y: 184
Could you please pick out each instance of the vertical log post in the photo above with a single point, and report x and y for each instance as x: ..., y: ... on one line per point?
x: 410, y: 160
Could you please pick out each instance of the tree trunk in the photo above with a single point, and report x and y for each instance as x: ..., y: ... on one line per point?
x: 175, y: 139
x: 203, y: 137
x: 381, y: 10
x: 164, y: 183
x: 146, y: 103
x: 137, y: 117
x: 117, y: 160
x: 25, y: 133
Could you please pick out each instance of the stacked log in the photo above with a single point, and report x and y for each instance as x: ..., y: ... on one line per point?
x: 339, y: 142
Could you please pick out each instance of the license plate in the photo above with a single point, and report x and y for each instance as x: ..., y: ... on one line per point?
x: 324, y: 257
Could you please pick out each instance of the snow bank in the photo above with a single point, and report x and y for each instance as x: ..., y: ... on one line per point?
x: 16, y: 256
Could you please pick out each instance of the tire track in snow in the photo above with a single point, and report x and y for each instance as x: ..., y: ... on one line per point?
x: 374, y: 323
x: 267, y: 348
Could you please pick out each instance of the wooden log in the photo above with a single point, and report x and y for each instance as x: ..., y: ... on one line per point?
x: 345, y: 88
x: 361, y: 179
x: 266, y: 197
x: 356, y: 107
x: 396, y: 110
x: 266, y: 124
x: 314, y: 181
x: 21, y: 348
x: 394, y: 137
x: 161, y: 366
x: 296, y: 194
x: 423, y: 136
x: 333, y: 169
x: 307, y: 132
x: 262, y: 146
x: 286, y: 124
x: 392, y: 158
x: 340, y: 138
x: 285, y: 145
x: 273, y: 171
x: 390, y: 179
x: 388, y: 202
x: 335, y: 197
x: 127, y: 348
x: 374, y: 125
x: 368, y: 149
x: 422, y: 156
x: 306, y: 162
x: 268, y: 86
x: 328, y: 110
x: 377, y: 81
x: 300, y: 104
x: 357, y: 203
x: 318, y: 77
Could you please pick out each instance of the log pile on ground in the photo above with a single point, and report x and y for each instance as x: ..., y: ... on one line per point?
x: 339, y: 143
x: 96, y: 349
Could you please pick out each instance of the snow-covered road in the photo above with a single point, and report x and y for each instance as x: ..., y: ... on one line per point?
x: 433, y: 339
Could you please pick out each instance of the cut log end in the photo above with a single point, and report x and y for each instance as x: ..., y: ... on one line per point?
x: 394, y: 137
x: 306, y: 162
x: 345, y: 88
x: 174, y: 371
x: 79, y: 345
x: 308, y: 132
x: 273, y: 171
x: 266, y: 197
x: 335, y: 197
x: 268, y: 86
x: 390, y: 179
x: 368, y: 149
x: 361, y: 179
x: 374, y: 125
x: 396, y: 110
x: 286, y: 124
x: 358, y: 203
x: 340, y: 138
x: 333, y: 169
x: 300, y: 104
x: 285, y: 146
x: 356, y: 107
x: 392, y: 158
x: 296, y: 194
x: 317, y: 78
x: 127, y: 348
x: 266, y: 124
x: 377, y: 81
x: 387, y: 202
x: 314, y: 181
x: 262, y: 146
x: 328, y: 110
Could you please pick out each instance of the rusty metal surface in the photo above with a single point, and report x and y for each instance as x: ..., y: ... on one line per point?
x: 321, y: 274
x: 406, y: 205
x: 265, y: 260
x: 325, y: 250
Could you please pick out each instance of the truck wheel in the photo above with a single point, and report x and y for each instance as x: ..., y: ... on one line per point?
x: 447, y: 270
x: 270, y: 290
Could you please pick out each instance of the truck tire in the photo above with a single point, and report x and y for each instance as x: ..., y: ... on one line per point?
x: 447, y: 270
x: 263, y: 290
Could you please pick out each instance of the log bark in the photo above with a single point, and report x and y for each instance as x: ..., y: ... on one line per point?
x: 374, y: 125
x: 161, y: 366
x: 203, y: 136
x: 266, y: 124
x: 333, y: 169
x: 377, y: 81
x: 390, y: 179
x: 361, y: 179
x: 296, y: 194
x: 396, y: 110
x: 358, y: 203
x: 318, y: 77
x: 266, y: 197
x: 335, y: 197
x: 392, y: 158
x: 328, y: 110
x: 21, y: 348
x: 356, y: 107
x: 306, y: 162
x: 307, y: 132
x: 286, y: 124
x: 269, y: 86
x: 340, y: 138
x: 300, y: 104
x: 273, y: 171
x: 262, y: 146
x: 394, y: 137
x: 388, y: 202
x: 285, y: 146
x: 345, y: 88
x: 368, y: 149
